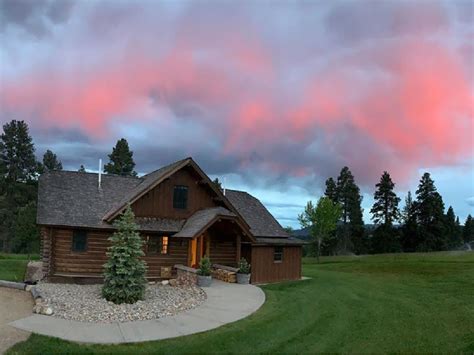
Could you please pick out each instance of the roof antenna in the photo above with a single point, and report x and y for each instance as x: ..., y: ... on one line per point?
x: 224, y: 185
x: 100, y: 174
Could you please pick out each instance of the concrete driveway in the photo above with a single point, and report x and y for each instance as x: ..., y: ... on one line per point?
x: 14, y: 304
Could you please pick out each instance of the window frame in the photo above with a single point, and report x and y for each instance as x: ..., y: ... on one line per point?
x: 79, y: 233
x: 280, y: 253
x: 179, y: 204
x: 157, y: 241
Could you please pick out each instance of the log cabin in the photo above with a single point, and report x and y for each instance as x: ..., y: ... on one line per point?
x: 181, y: 215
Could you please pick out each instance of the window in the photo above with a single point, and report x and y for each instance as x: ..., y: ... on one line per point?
x: 180, y: 197
x: 157, y: 245
x: 79, y: 240
x: 278, y: 254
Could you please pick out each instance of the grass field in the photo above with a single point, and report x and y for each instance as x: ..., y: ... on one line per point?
x: 383, y: 303
x: 13, y: 266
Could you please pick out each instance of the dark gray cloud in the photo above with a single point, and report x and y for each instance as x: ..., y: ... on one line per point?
x: 34, y: 16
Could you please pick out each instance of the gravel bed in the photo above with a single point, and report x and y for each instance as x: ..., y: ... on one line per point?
x: 84, y: 303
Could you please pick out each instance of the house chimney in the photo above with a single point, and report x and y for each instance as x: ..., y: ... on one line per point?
x: 100, y: 174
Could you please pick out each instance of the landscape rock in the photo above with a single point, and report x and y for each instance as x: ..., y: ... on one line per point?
x: 85, y: 303
x: 34, y: 272
x: 165, y: 282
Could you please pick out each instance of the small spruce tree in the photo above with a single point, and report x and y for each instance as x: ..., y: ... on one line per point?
x: 124, y: 272
x: 51, y: 161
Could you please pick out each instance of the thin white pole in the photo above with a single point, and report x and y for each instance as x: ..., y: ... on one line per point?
x: 100, y: 173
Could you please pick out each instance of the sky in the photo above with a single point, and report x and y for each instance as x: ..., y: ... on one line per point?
x: 272, y: 97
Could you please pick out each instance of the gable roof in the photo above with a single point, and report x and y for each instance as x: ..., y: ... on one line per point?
x: 73, y: 199
x: 147, y: 183
x: 261, y: 222
x: 199, y: 220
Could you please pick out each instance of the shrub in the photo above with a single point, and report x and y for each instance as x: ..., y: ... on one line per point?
x: 244, y: 266
x: 204, y: 267
x: 124, y: 272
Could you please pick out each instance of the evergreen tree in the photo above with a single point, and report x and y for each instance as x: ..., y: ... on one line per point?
x: 51, y: 162
x: 17, y: 152
x: 453, y: 229
x: 217, y: 183
x: 121, y: 160
x: 409, y: 230
x: 430, y: 216
x: 331, y: 189
x: 468, y: 230
x: 384, y: 213
x: 82, y: 169
x: 124, y: 272
x: 18, y: 171
x: 385, y: 209
x: 349, y: 198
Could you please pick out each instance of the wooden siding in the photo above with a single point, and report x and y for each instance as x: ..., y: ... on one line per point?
x: 264, y: 269
x: 159, y: 201
x: 91, y: 261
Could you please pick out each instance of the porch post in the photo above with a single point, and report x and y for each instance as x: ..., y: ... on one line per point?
x: 239, y: 247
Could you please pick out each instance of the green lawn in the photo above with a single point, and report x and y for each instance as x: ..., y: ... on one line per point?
x: 13, y: 266
x: 390, y: 303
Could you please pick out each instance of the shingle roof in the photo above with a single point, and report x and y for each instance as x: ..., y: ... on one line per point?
x: 200, y: 219
x: 281, y: 241
x: 261, y: 222
x: 67, y: 198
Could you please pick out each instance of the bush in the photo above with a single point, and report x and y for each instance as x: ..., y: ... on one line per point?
x: 244, y: 266
x: 204, y: 267
x: 124, y: 274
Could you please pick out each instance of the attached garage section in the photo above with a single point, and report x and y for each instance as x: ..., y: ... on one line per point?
x: 275, y: 263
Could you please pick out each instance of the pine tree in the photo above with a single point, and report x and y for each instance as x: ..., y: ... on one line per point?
x: 51, y: 162
x: 217, y: 183
x: 121, y: 160
x: 124, y: 272
x: 331, y: 189
x: 82, y: 169
x: 385, y: 209
x: 384, y: 213
x: 409, y: 230
x: 17, y: 152
x: 452, y: 229
x: 430, y: 216
x: 468, y: 230
x: 349, y: 198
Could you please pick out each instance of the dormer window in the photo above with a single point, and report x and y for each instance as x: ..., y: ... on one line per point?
x: 180, y: 197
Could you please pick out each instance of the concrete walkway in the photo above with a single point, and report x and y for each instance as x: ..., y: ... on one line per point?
x: 14, y: 304
x: 225, y: 303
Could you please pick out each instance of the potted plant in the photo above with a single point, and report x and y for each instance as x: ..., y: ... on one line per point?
x: 204, y: 277
x: 243, y: 275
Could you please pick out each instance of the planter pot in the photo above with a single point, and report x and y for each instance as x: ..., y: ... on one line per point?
x: 243, y: 279
x: 204, y: 281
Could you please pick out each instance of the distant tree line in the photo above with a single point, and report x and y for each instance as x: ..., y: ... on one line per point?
x: 19, y: 173
x: 420, y: 226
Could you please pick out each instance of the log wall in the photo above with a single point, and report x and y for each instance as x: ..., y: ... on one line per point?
x: 91, y: 261
x: 223, y: 249
x: 264, y: 269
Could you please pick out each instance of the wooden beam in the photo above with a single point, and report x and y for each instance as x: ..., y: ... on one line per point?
x: 239, y: 247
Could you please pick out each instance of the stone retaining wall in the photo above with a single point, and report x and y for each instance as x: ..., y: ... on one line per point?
x: 186, y: 276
